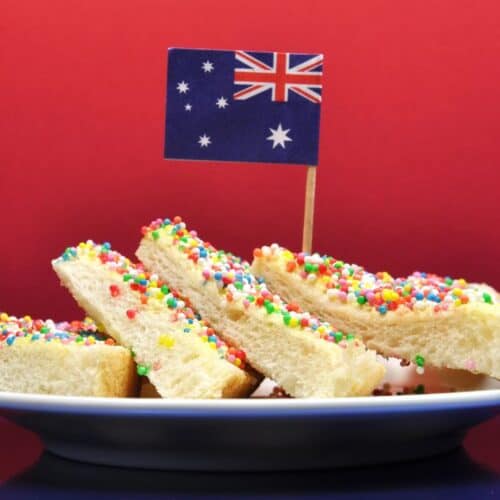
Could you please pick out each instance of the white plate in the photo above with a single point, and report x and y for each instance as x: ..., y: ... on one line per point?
x: 261, y: 434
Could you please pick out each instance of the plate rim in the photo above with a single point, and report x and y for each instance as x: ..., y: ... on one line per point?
x: 10, y: 401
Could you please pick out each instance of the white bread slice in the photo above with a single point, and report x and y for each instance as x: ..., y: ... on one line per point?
x: 179, y: 353
x: 422, y: 318
x: 304, y: 356
x: 69, y: 359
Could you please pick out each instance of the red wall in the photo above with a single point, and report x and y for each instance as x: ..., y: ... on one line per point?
x: 410, y: 156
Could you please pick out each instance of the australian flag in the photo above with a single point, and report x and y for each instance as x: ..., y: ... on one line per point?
x: 243, y: 106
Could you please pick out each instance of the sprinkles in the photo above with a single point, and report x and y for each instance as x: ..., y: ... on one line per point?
x: 82, y: 333
x: 238, y: 287
x: 154, y: 293
x: 351, y: 284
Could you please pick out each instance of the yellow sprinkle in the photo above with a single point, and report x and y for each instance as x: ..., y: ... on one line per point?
x: 294, y: 321
x: 458, y: 302
x: 462, y: 282
x: 27, y: 318
x: 386, y: 276
x: 287, y: 255
x: 321, y: 329
x: 205, y: 339
x: 91, y: 340
x: 4, y: 317
x: 92, y: 254
x: 213, y: 345
x: 386, y: 294
x: 142, y: 276
x: 153, y: 284
x: 166, y: 341
x: 237, y: 361
x: 457, y: 292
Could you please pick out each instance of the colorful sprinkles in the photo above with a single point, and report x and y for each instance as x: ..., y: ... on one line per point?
x: 153, y: 292
x: 16, y: 330
x: 351, y: 284
x: 236, y: 284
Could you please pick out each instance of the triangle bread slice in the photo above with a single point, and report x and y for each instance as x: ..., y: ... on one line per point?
x: 425, y: 318
x: 287, y: 346
x: 167, y: 339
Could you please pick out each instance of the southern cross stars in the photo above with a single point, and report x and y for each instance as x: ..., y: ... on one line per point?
x: 207, y: 66
x: 188, y: 107
x: 204, y: 141
x: 279, y: 136
x: 221, y: 102
x: 183, y: 87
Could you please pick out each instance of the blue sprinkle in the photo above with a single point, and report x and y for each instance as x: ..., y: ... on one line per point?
x: 419, y: 296
x: 10, y: 340
x: 434, y: 298
x: 143, y: 282
x: 382, y: 309
x: 106, y: 245
x: 218, y: 276
x: 212, y: 338
x: 187, y: 330
x: 190, y: 321
x: 166, y: 222
x: 259, y: 280
x: 35, y: 336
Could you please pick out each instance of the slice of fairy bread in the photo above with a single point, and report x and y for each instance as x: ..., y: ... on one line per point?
x: 179, y: 353
x: 422, y: 318
x: 305, y: 356
x: 70, y: 359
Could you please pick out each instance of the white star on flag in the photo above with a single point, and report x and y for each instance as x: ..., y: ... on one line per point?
x: 204, y: 141
x: 182, y: 87
x: 207, y: 66
x: 221, y: 102
x: 188, y: 107
x: 279, y: 136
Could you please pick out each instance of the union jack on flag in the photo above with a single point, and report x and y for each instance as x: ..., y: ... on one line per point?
x: 280, y: 78
x: 242, y: 106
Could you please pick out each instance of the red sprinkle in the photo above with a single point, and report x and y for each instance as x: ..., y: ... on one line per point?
x: 131, y: 313
x: 114, y: 290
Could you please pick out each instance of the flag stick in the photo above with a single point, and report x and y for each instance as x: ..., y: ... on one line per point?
x: 307, y: 233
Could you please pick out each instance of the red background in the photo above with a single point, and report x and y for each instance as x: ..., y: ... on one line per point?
x: 410, y: 155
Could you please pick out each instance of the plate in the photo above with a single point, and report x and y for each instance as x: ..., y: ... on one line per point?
x: 260, y: 433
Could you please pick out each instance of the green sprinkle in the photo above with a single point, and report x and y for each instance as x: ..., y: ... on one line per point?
x: 132, y: 353
x: 338, y: 336
x: 238, y: 285
x: 155, y: 235
x: 487, y: 298
x: 185, y: 239
x: 350, y: 336
x: 250, y: 298
x: 361, y: 300
x: 78, y: 339
x: 419, y: 360
x: 127, y: 277
x: 171, y: 302
x: 351, y: 271
x: 44, y: 329
x: 310, y: 268
x: 420, y: 389
x: 448, y: 281
x: 165, y: 290
x: 142, y: 370
x: 286, y: 318
x: 338, y: 264
x: 269, y: 307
